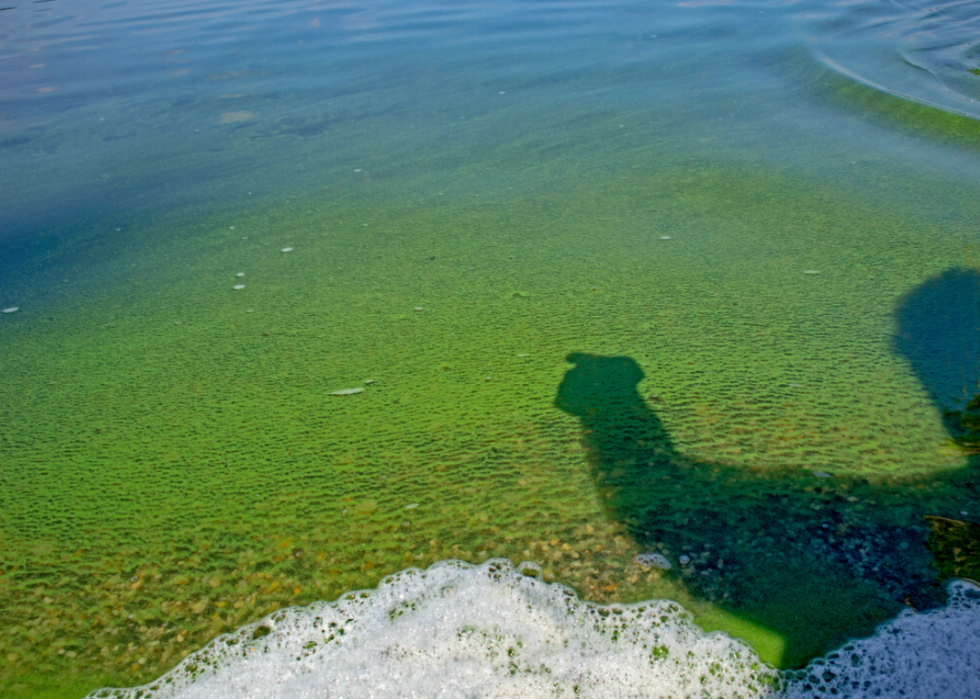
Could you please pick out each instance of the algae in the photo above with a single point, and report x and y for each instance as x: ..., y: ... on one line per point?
x: 174, y: 466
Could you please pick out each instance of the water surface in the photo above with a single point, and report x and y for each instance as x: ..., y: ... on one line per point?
x: 695, y: 279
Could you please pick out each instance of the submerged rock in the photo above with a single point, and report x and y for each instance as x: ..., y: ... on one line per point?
x: 653, y: 560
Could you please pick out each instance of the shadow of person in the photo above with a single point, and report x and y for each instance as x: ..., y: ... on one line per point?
x: 938, y: 333
x: 815, y: 560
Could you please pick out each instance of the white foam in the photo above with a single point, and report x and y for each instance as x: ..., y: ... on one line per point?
x: 457, y: 630
x: 928, y: 655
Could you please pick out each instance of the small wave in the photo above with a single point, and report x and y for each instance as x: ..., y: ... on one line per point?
x: 929, y: 55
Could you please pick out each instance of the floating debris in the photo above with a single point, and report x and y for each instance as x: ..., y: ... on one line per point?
x: 810, y: 271
x: 418, y: 308
x: 368, y: 382
x: 286, y: 250
x: 652, y: 560
x: 238, y: 287
x: 411, y: 506
x: 665, y: 237
x: 347, y: 391
x: 240, y: 274
x: 12, y: 309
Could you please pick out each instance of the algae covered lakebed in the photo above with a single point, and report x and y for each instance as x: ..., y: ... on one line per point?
x: 176, y: 465
x: 630, y: 297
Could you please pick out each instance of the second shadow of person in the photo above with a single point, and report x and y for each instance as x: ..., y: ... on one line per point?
x: 814, y: 560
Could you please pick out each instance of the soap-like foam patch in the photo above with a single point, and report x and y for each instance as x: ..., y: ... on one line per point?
x: 929, y: 655
x: 457, y: 630
x: 489, y: 631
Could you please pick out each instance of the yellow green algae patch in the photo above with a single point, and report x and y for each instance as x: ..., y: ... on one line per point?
x: 174, y: 464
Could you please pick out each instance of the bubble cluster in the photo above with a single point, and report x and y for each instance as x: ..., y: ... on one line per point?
x: 929, y: 655
x: 455, y: 630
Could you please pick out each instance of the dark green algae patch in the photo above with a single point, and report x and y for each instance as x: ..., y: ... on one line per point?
x: 174, y: 466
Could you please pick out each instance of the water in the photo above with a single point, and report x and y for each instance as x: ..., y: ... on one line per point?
x: 692, y: 280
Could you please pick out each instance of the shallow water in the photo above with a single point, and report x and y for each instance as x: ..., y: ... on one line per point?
x: 694, y: 279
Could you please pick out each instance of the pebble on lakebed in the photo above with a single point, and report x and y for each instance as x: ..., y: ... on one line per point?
x: 652, y: 560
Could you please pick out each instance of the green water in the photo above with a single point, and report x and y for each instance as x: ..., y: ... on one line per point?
x: 176, y: 465
x: 590, y: 320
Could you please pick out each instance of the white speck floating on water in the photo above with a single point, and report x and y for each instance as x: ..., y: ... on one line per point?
x: 12, y: 309
x: 286, y: 250
x: 238, y: 287
x: 347, y: 391
x: 240, y: 274
x: 665, y: 237
x: 811, y: 271
x: 411, y: 506
x: 418, y: 308
x: 652, y: 560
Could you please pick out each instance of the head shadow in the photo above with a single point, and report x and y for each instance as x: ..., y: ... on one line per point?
x: 938, y: 334
x: 815, y: 560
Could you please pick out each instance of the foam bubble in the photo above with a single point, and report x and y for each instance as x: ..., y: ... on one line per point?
x: 458, y: 630
x: 927, y: 655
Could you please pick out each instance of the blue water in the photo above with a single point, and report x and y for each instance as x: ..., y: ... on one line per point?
x: 118, y: 105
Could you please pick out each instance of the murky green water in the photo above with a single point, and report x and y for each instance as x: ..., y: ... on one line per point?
x: 613, y: 279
